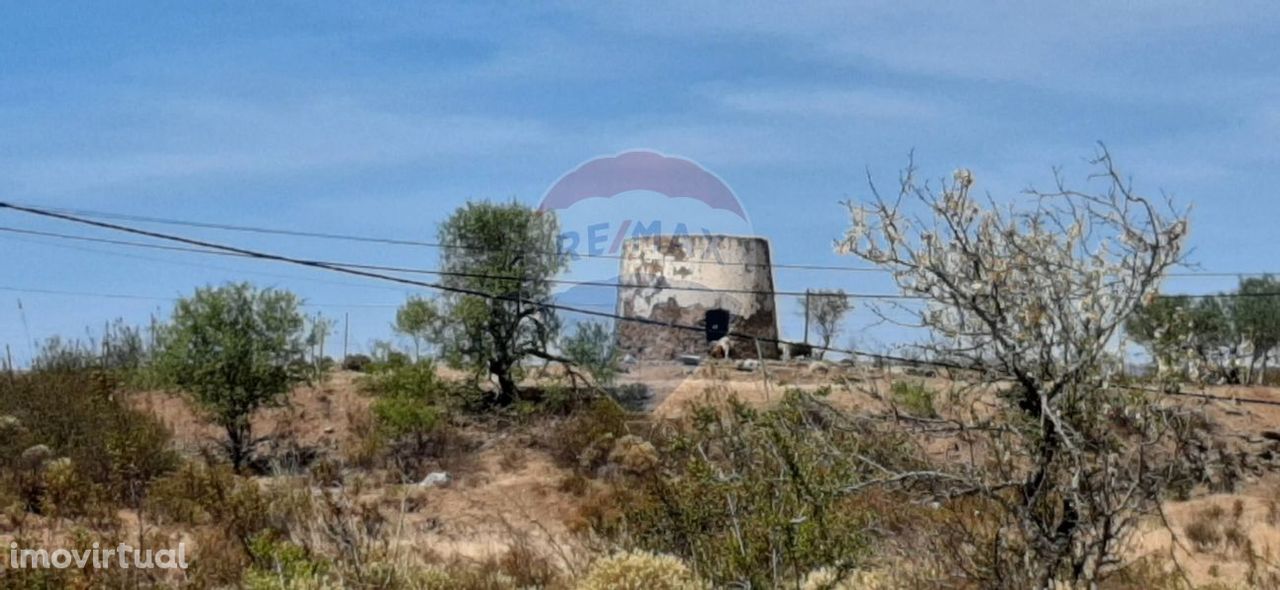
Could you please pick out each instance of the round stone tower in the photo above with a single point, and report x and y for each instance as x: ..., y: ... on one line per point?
x: 708, y: 281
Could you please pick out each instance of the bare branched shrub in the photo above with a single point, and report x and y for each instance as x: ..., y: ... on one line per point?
x: 1027, y: 300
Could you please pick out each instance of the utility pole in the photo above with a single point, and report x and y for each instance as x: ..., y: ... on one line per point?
x: 346, y: 330
x: 807, y: 307
x: 324, y: 331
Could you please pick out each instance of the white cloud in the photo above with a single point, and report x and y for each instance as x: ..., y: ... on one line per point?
x: 831, y: 103
x: 1086, y: 47
x: 202, y: 138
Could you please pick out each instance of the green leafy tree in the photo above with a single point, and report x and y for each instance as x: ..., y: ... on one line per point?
x: 504, y: 255
x: 591, y: 347
x: 235, y: 349
x: 1162, y: 327
x: 825, y: 309
x: 419, y: 319
x: 1217, y: 341
x: 318, y: 330
x: 1257, y: 314
x: 1186, y: 335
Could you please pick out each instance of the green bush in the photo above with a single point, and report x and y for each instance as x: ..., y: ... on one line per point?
x: 280, y: 565
x: 914, y: 397
x: 755, y: 498
x: 82, y: 417
x: 411, y: 380
x: 409, y: 414
x: 591, y: 347
x: 403, y: 418
x: 357, y: 362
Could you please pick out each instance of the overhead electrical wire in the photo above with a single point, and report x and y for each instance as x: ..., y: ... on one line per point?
x: 440, y: 245
x: 436, y: 272
x: 620, y: 285
x: 398, y: 241
x: 435, y: 286
x: 447, y: 288
x: 59, y: 292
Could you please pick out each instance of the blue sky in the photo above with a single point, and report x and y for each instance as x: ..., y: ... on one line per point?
x: 380, y: 120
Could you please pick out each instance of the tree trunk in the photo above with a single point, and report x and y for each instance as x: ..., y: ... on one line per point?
x: 507, y: 388
x: 239, y: 437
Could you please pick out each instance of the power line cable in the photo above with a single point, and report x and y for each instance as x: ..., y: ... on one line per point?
x: 428, y: 271
x: 430, y: 244
x: 399, y: 241
x: 620, y: 285
x: 436, y: 286
x: 96, y: 294
x: 436, y: 272
x: 188, y: 264
x: 672, y: 325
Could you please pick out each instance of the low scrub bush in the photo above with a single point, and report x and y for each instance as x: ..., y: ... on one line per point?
x: 409, y: 417
x: 753, y: 498
x: 394, y: 379
x: 913, y: 397
x: 79, y: 419
x: 357, y: 362
x: 639, y: 570
x: 584, y: 438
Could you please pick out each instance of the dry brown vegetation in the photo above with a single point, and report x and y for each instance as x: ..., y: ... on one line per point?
x: 538, y: 498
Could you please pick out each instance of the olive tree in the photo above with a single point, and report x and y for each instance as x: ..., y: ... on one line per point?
x: 1257, y: 312
x: 826, y: 309
x: 235, y: 349
x: 1027, y: 299
x: 1190, y: 338
x: 419, y: 319
x: 499, y: 260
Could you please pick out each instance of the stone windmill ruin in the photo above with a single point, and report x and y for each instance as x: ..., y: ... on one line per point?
x: 723, y: 284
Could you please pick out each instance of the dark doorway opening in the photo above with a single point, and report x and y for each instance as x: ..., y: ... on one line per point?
x: 716, y: 322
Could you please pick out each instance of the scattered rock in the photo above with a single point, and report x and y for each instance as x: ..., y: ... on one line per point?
x: 435, y: 479
x: 819, y: 367
x: 1271, y: 435
x: 689, y: 360
x: 748, y: 365
x: 37, y: 455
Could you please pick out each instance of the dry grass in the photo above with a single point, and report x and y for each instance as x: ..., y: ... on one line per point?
x: 522, y: 494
